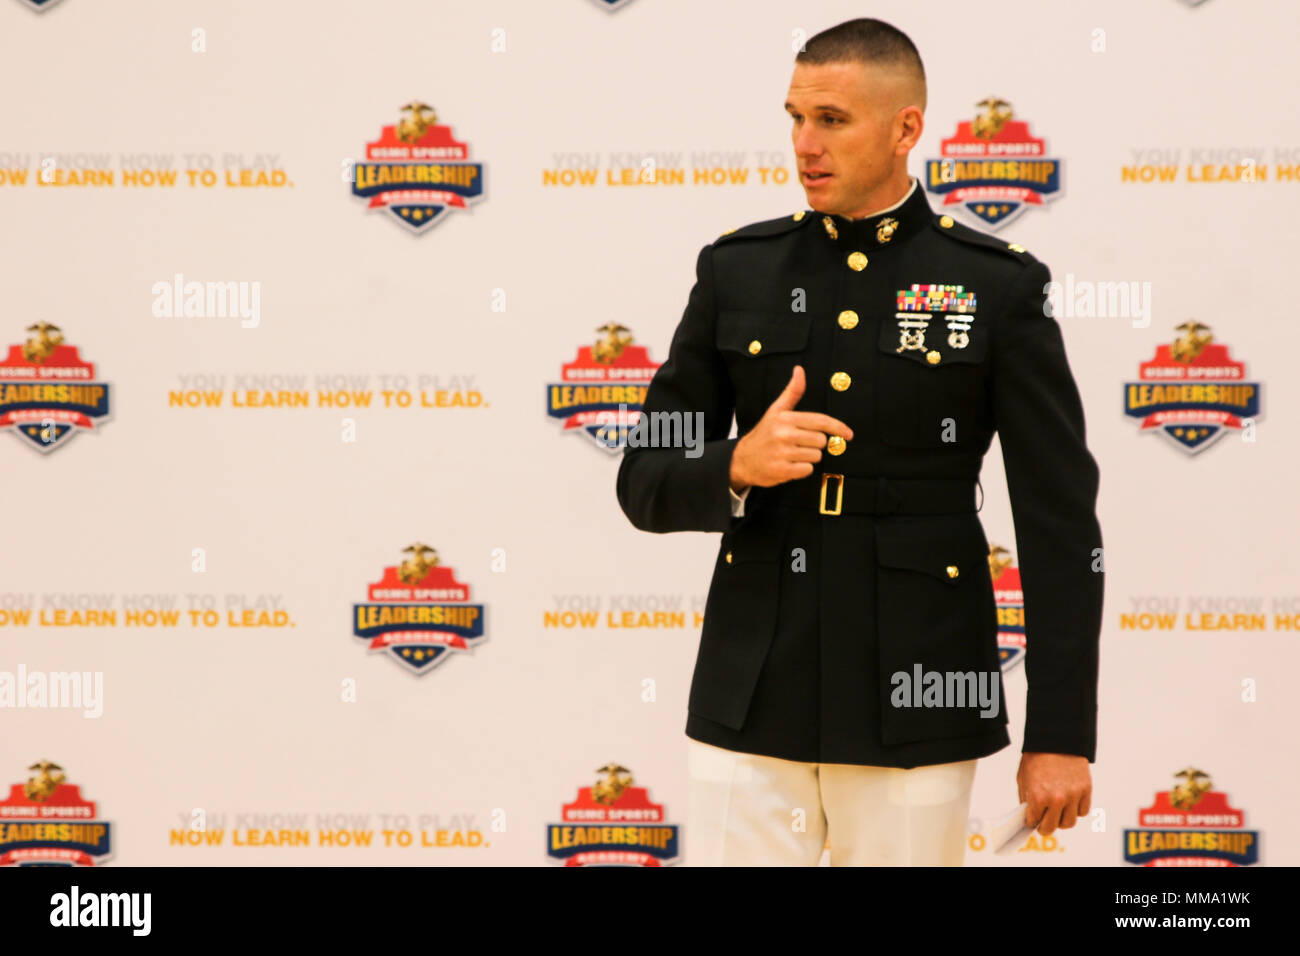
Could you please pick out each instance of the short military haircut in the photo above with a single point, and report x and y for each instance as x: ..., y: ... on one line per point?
x: 873, y: 42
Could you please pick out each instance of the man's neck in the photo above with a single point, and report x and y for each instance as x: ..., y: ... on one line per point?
x: 884, y: 199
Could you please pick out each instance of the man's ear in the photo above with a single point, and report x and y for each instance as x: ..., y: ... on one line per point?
x: 910, y: 123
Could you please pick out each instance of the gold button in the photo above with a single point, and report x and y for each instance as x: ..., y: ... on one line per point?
x: 848, y: 319
x: 933, y: 357
x: 727, y: 233
x: 840, y: 381
x: 1016, y: 247
x: 799, y: 215
x: 945, y: 221
x: 952, y: 570
x: 728, y: 557
x: 857, y: 261
x: 755, y: 347
x: 836, y: 445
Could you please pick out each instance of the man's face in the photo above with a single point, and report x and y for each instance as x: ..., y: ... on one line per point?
x: 844, y: 134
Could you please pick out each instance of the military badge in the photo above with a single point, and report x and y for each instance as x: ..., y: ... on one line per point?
x: 613, y: 824
x: 1010, y: 602
x: 46, y: 822
x: 993, y: 167
x: 953, y: 301
x: 1192, y: 391
x: 417, y: 170
x: 911, y: 332
x: 418, y: 611
x: 603, y: 388
x: 47, y: 393
x: 1191, y: 824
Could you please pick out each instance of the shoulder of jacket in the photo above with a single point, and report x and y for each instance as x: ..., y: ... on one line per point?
x: 767, y: 227
x: 947, y: 226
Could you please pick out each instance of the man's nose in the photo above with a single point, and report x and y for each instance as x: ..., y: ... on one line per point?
x: 806, y: 142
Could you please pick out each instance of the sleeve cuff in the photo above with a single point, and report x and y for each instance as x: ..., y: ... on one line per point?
x: 1060, y: 743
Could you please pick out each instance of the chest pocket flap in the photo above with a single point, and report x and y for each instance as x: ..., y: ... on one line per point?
x: 762, y: 333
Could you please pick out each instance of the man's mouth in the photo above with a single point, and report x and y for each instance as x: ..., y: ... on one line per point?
x: 815, y: 177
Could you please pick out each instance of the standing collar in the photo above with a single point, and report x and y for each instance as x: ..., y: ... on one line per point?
x: 884, y: 227
x: 880, y: 212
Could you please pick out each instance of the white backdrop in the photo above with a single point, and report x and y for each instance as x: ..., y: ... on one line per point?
x: 296, y: 508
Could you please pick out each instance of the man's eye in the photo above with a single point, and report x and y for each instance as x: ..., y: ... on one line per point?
x: 830, y: 120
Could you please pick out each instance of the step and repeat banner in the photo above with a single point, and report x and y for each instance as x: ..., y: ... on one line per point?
x: 316, y: 322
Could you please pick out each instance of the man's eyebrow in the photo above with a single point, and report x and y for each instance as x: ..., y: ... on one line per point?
x: 824, y: 107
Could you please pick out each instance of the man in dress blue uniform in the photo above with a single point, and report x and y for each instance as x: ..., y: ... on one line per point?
x: 869, y: 349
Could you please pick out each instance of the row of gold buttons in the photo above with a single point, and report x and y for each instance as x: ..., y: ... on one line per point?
x: 840, y: 381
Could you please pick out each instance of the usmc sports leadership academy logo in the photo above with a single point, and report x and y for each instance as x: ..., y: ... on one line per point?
x: 602, y: 382
x: 418, y: 612
x: 46, y: 822
x: 993, y: 168
x: 1010, y: 600
x: 1191, y: 825
x: 47, y: 393
x: 613, y: 824
x: 1192, y: 391
x: 417, y: 171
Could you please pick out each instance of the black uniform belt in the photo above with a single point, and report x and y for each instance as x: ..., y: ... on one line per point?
x: 833, y: 494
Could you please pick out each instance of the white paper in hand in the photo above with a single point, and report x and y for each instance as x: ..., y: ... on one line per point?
x: 1007, y: 834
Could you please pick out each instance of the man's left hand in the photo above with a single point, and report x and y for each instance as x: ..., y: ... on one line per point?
x: 1057, y: 789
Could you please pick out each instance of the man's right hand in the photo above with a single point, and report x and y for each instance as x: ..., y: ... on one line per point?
x: 785, y: 444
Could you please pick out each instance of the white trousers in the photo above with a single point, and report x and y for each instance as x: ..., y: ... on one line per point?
x: 749, y: 810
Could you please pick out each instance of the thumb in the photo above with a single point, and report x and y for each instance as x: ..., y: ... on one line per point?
x: 793, y: 391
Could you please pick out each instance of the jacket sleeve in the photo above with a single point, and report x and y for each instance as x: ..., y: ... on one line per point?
x: 665, y: 489
x: 1052, y: 480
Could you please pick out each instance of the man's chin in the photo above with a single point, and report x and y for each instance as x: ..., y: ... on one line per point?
x: 821, y: 201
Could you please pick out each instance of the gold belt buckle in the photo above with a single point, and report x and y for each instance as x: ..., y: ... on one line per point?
x: 839, y: 494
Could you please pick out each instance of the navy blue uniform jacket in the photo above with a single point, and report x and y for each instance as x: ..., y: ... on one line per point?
x: 812, y: 613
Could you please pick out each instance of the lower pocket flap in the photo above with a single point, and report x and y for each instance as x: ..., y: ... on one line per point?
x: 756, y: 539
x: 948, y: 556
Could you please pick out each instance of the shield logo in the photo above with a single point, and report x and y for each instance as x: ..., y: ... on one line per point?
x: 417, y: 612
x: 973, y: 175
x: 49, y: 391
x: 1010, y: 600
x: 601, y: 391
x: 417, y: 171
x: 48, y: 795
x: 1192, y: 391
